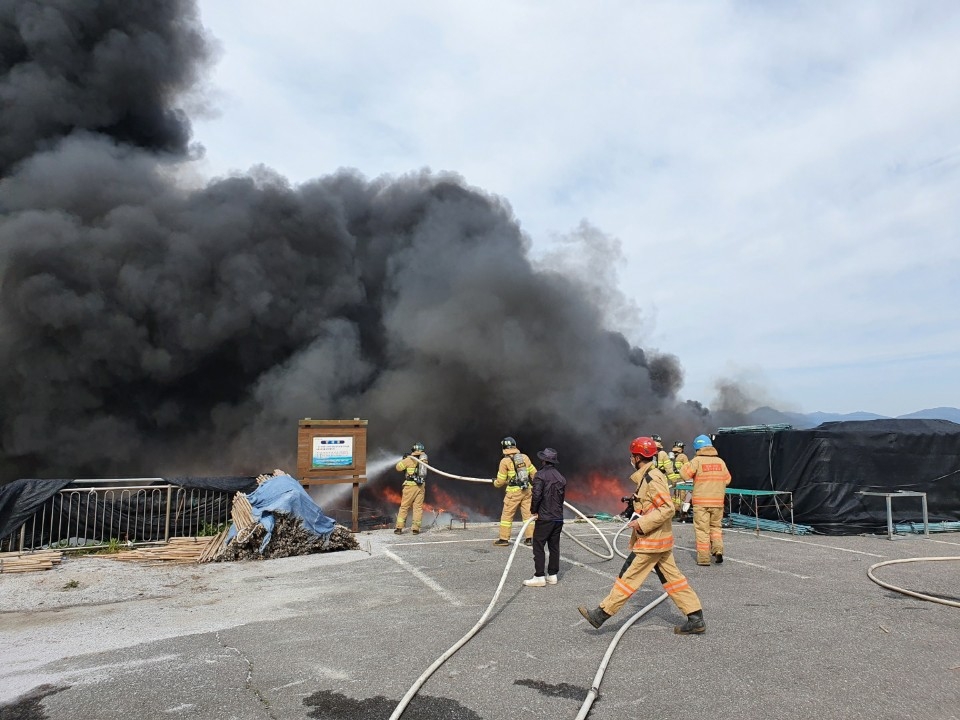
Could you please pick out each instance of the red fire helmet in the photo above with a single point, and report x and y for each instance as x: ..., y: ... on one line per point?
x: 643, y: 446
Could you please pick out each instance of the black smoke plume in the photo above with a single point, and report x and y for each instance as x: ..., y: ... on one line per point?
x: 151, y: 329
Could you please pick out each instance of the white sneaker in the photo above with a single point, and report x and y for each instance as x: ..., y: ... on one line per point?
x: 535, y: 582
x: 551, y: 579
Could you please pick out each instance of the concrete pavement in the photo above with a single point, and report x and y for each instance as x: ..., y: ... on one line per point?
x: 795, y: 629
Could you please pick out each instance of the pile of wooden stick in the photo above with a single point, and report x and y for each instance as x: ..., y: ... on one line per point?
x: 177, y: 550
x: 195, y: 549
x: 261, y: 479
x: 17, y: 562
x: 242, y: 512
x: 214, y: 547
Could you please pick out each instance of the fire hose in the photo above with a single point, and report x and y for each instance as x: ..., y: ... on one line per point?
x: 604, y: 556
x: 617, y: 537
x: 398, y: 711
x: 595, y: 687
x: 931, y: 598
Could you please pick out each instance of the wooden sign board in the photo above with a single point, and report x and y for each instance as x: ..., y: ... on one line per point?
x: 332, y: 452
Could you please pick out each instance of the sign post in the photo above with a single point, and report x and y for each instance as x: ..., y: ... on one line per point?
x: 333, y: 452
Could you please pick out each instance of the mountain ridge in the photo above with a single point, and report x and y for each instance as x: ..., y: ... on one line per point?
x: 804, y: 421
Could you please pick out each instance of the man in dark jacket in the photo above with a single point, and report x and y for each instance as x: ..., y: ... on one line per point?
x: 549, y: 487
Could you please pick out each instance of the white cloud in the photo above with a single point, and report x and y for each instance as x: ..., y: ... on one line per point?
x: 783, y: 179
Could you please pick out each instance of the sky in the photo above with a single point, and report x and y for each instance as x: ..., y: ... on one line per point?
x: 775, y: 185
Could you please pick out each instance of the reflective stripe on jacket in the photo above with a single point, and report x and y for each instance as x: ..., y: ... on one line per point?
x: 655, y: 506
x: 710, y: 477
x: 664, y: 463
x: 679, y: 460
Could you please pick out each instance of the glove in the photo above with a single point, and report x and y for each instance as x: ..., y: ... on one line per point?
x: 685, y: 507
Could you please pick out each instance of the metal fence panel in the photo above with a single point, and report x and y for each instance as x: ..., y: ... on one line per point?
x: 119, y: 512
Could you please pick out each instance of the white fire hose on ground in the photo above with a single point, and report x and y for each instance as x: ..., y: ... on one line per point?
x: 398, y: 711
x: 931, y: 598
x: 595, y: 688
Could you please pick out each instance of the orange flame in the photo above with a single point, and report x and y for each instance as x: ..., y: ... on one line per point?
x: 441, y: 501
x: 598, y: 492
x: 391, y: 495
x: 592, y: 492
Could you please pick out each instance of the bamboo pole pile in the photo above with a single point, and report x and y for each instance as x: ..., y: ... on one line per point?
x: 178, y: 550
x: 242, y: 512
x: 214, y: 547
x: 261, y: 479
x: 182, y: 550
x: 17, y: 562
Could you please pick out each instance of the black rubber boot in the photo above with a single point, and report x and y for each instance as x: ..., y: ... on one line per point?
x: 595, y: 617
x: 398, y: 531
x: 718, y: 558
x: 693, y: 626
x: 626, y: 563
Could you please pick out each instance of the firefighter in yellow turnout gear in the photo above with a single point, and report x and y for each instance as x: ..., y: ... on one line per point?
x: 710, y: 478
x: 414, y: 488
x: 681, y: 499
x: 663, y: 462
x: 516, y: 474
x: 652, y: 548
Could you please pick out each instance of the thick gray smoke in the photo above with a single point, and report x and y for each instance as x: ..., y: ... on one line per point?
x: 150, y: 329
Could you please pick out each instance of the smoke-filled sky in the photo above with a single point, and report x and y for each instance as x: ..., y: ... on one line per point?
x: 782, y: 179
x: 157, y: 322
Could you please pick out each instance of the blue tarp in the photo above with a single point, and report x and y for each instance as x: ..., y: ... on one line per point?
x: 283, y: 494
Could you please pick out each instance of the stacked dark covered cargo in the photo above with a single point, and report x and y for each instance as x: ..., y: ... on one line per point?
x: 826, y: 466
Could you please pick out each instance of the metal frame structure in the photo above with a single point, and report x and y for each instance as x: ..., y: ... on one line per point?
x: 900, y: 493
x: 133, y: 511
x: 756, y: 495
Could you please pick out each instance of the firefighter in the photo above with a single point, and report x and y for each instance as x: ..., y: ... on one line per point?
x: 653, y: 548
x: 679, y: 460
x: 663, y: 461
x: 516, y: 474
x: 679, y: 457
x: 414, y: 488
x: 710, y: 478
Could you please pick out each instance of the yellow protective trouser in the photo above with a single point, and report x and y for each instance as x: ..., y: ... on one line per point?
x: 673, y: 581
x: 515, y: 498
x: 413, y: 494
x: 709, y: 534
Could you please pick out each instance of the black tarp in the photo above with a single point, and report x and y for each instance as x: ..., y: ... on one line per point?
x: 22, y: 499
x: 826, y: 466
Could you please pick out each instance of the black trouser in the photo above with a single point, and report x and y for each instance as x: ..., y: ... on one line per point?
x: 546, y: 532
